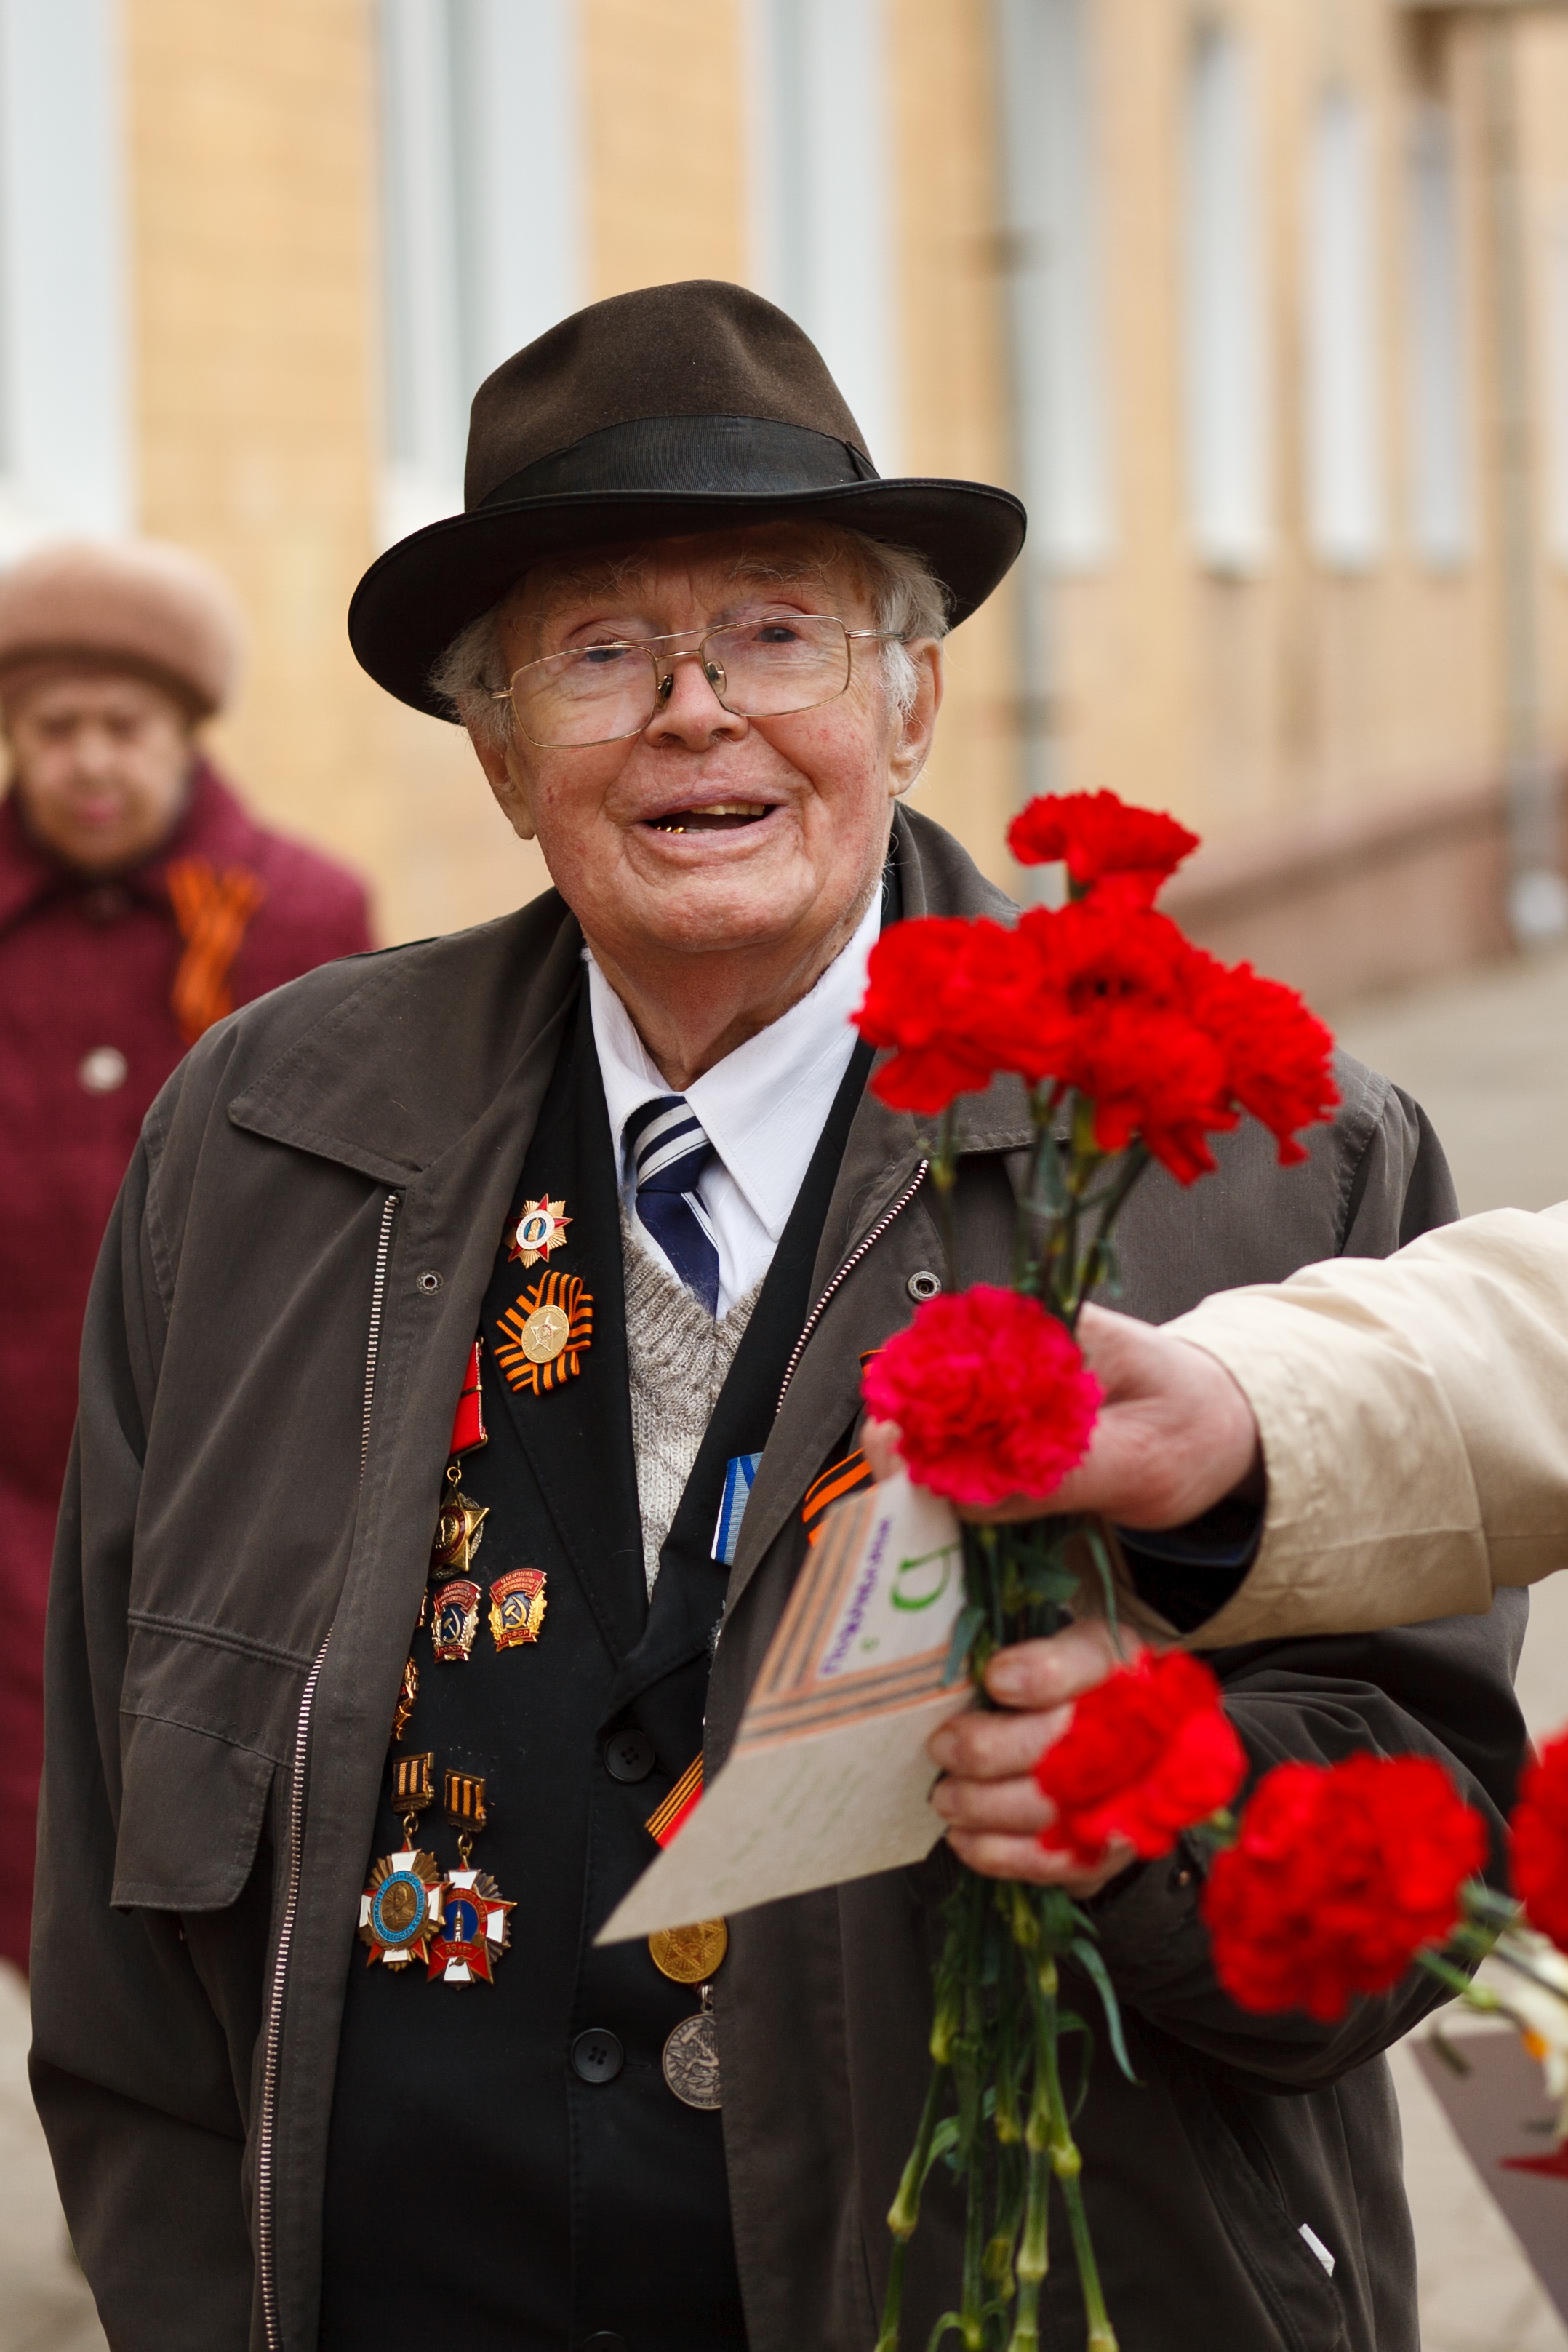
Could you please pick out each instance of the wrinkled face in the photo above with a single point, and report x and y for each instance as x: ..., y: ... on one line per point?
x: 101, y: 766
x: 709, y: 832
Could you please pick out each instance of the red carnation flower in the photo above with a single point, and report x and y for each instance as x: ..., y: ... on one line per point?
x: 1148, y: 1753
x: 991, y: 1395
x: 1277, y: 1055
x: 1099, y: 835
x: 908, y: 1006
x: 1341, y: 1874
x: 1539, y: 1852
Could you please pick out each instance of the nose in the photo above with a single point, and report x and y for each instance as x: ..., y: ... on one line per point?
x: 689, y: 711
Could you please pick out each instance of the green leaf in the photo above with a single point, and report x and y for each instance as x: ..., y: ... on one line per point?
x: 969, y: 1622
x: 1089, y: 1961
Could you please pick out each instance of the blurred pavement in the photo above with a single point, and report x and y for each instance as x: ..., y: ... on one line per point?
x: 1488, y: 1056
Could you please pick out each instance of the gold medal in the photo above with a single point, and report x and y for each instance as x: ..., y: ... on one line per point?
x: 517, y: 1607
x: 546, y: 1334
x: 459, y: 1530
x: 691, y: 2058
x: 541, y: 1229
x: 690, y: 1954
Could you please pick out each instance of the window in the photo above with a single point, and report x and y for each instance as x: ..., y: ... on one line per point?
x: 822, y: 239
x: 1439, y: 473
x: 1557, y: 383
x: 479, y: 219
x: 65, y: 455
x: 1047, y: 101
x: 1344, y: 486
x: 1227, y: 367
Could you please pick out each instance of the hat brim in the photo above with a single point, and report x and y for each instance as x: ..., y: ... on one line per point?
x: 425, y: 591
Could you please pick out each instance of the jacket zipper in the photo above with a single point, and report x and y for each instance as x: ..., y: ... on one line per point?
x: 847, y: 1269
x: 296, y: 1828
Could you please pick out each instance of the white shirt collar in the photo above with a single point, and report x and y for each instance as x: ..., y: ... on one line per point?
x: 763, y: 1107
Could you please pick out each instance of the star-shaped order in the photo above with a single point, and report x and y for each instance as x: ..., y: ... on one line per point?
x: 541, y: 1229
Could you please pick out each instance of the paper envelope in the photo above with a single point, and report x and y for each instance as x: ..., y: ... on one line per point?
x: 828, y: 1778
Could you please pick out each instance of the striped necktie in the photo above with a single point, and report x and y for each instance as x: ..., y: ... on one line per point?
x: 667, y: 1150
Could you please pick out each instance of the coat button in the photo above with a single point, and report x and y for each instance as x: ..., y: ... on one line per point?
x: 597, y: 2055
x: 103, y: 1070
x: 629, y: 1755
x: 923, y: 1285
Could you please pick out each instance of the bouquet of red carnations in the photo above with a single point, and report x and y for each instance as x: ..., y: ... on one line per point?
x: 1135, y: 1047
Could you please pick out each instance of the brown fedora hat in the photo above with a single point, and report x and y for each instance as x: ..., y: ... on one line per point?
x: 671, y: 410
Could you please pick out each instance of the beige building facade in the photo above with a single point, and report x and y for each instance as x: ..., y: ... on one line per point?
x: 1214, y: 282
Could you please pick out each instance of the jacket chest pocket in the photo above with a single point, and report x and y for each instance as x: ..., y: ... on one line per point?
x: 202, y: 1728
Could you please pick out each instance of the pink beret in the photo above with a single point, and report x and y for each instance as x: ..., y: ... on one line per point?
x: 138, y: 605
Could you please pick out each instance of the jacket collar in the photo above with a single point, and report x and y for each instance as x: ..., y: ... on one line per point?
x: 213, y: 826
x: 394, y: 1075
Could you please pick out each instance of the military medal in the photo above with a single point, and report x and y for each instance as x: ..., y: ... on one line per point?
x: 401, y: 1908
x: 474, y: 1928
x: 517, y: 1607
x: 546, y: 1334
x: 455, y: 1621
x: 690, y: 1954
x: 459, y: 1530
x: 409, y: 1692
x: 691, y: 2058
x: 541, y: 1229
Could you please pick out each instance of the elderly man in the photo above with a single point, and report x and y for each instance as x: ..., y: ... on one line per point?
x: 138, y: 903
x: 381, y: 1660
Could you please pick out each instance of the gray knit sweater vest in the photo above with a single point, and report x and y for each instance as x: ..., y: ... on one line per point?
x: 677, y: 1358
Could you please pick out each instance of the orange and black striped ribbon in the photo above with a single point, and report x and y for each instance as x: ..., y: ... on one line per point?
x: 841, y: 1479
x: 213, y: 912
x: 680, y: 1803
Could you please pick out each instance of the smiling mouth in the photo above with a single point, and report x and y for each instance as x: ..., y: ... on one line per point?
x: 722, y: 816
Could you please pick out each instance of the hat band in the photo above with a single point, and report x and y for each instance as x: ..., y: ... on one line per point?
x: 691, y: 455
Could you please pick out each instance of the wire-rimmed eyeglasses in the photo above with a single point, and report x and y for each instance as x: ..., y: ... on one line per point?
x: 763, y: 668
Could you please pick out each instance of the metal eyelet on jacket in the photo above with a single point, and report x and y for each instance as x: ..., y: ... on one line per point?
x: 429, y: 1283
x: 923, y: 1285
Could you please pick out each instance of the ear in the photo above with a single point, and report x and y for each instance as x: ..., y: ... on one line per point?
x: 508, y: 782
x: 912, y: 742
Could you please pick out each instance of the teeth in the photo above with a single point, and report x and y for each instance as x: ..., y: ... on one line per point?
x: 737, y: 808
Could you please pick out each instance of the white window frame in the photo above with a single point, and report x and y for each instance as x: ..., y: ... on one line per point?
x: 481, y: 217
x: 1442, y: 489
x: 1343, y: 403
x: 1229, y: 450
x: 1053, y: 231
x: 65, y: 407
x: 821, y: 196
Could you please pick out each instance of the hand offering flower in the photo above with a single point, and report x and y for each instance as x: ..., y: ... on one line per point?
x: 1340, y: 1874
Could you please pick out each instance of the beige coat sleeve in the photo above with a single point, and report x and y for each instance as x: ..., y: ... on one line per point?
x: 1413, y: 1412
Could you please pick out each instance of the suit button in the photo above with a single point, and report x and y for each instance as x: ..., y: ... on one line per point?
x: 597, y: 2055
x: 606, y: 2340
x: 629, y: 1755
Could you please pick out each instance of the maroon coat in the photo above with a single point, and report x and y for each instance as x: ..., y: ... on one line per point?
x: 87, y: 1037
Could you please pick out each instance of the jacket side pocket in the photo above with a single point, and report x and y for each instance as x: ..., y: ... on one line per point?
x: 190, y: 1817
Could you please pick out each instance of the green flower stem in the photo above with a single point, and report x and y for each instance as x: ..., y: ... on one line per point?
x: 1067, y: 2164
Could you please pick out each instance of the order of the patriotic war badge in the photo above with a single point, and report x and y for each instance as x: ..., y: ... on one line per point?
x: 546, y: 1334
x: 541, y: 1229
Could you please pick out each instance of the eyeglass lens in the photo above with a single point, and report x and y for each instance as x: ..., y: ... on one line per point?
x: 759, y: 669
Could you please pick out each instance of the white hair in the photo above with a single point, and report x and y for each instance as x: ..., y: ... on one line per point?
x: 906, y: 600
